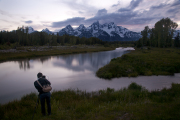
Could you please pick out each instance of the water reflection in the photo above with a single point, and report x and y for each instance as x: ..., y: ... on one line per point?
x: 69, y: 72
x: 24, y: 64
x: 77, y: 62
x: 90, y: 61
x: 44, y: 59
x: 27, y: 64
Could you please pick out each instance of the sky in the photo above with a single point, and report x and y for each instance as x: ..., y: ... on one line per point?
x: 57, y: 14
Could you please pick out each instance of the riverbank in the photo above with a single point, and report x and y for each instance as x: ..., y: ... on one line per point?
x: 152, y: 61
x: 134, y: 102
x: 30, y: 52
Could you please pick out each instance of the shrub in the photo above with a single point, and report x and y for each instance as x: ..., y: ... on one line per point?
x: 135, y: 86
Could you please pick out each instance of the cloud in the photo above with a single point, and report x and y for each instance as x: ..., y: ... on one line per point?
x: 29, y: 21
x: 174, y: 10
x: 4, y: 20
x: 140, y: 21
x: 82, y: 6
x: 162, y: 5
x: 80, y: 12
x: 101, y: 12
x: 176, y: 3
x: 13, y: 22
x: 129, y: 16
x: 133, y: 4
x: 72, y: 21
x: 115, y: 5
x: 5, y: 13
x: 124, y: 10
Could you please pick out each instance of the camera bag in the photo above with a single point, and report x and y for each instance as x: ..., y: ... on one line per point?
x: 45, y: 88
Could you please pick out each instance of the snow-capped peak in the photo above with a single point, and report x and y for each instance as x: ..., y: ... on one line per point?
x: 111, y: 25
x: 81, y: 27
x: 46, y: 31
x: 105, y: 25
x: 95, y: 25
x: 30, y: 30
x: 108, y: 32
x: 69, y: 27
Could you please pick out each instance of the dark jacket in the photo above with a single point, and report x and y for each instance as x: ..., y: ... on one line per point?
x: 43, y: 81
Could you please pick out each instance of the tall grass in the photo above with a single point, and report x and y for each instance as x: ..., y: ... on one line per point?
x: 154, y: 61
x: 133, y: 102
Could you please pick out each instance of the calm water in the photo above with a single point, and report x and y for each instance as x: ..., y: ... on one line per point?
x: 70, y: 72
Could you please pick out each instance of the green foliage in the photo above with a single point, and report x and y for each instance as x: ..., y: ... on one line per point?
x: 135, y: 86
x: 22, y: 37
x: 133, y: 102
x: 144, y: 34
x: 159, y: 36
x: 152, y: 61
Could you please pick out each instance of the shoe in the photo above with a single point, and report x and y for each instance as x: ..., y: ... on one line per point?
x: 49, y: 114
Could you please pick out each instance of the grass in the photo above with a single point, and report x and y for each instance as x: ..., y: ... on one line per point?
x: 27, y: 53
x: 131, y: 103
x: 153, y: 61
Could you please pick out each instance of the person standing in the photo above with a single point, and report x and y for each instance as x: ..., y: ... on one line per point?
x: 44, y: 96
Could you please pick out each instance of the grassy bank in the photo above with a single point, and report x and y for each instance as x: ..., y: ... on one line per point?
x: 30, y: 52
x: 153, y: 61
x: 130, y: 103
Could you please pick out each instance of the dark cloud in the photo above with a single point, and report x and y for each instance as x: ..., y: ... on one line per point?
x: 29, y: 21
x: 124, y: 10
x: 132, y: 6
x: 71, y: 21
x: 134, y: 3
x: 159, y: 6
x: 117, y: 18
x: 174, y: 10
x: 128, y: 16
x: 115, y: 5
x: 176, y: 3
x: 139, y: 21
x: 101, y: 12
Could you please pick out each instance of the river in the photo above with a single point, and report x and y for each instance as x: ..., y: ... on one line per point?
x: 75, y: 71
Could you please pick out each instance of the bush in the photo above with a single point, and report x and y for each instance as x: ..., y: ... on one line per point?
x: 135, y: 86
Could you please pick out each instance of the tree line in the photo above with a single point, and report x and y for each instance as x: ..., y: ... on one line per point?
x: 21, y: 37
x: 160, y: 36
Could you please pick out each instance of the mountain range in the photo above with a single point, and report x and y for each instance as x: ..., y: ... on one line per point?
x: 105, y: 32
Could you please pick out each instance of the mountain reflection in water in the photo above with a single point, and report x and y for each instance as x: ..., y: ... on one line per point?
x: 75, y: 71
x: 78, y: 62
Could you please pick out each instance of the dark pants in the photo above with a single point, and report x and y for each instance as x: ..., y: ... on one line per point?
x: 47, y: 97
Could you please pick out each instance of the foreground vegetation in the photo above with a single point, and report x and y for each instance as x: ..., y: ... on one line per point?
x: 29, y: 52
x: 151, y: 61
x: 133, y: 102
